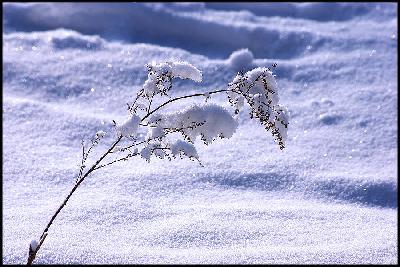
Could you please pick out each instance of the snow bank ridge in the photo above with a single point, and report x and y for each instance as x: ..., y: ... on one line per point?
x: 157, y: 23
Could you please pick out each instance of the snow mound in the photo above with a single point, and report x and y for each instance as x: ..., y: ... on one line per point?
x: 205, y: 33
x: 58, y: 39
x: 241, y: 60
x: 63, y: 39
x: 330, y: 118
x: 311, y: 11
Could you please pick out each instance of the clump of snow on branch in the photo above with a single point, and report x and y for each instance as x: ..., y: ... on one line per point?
x: 260, y: 90
x: 129, y: 127
x: 155, y: 132
x: 146, y: 153
x: 155, y: 147
x: 33, y: 245
x: 159, y: 79
x: 208, y: 121
x: 184, y: 147
x: 184, y: 70
x: 100, y: 134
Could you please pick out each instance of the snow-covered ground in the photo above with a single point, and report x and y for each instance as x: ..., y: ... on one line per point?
x: 329, y: 197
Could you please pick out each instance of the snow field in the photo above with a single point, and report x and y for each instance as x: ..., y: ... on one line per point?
x: 329, y: 197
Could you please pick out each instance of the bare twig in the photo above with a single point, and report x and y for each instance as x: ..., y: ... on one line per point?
x: 149, y: 107
x: 82, y: 162
x: 136, y: 99
x: 120, y: 159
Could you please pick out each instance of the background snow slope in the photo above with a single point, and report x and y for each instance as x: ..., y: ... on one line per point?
x: 329, y: 197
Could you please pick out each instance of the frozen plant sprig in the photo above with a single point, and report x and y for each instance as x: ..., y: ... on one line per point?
x: 258, y: 88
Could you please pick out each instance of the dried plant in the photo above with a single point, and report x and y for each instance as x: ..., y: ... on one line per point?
x: 257, y: 87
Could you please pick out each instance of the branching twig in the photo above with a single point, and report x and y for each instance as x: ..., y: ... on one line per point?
x: 120, y: 159
x: 162, y: 86
x: 96, y: 166
x: 136, y: 99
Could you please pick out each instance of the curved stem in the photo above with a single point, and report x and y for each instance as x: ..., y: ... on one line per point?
x: 182, y: 97
x: 32, y: 254
x: 44, y: 234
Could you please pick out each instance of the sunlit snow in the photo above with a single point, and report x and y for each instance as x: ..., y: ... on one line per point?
x: 330, y: 196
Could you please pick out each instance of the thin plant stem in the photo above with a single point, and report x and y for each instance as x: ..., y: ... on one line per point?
x: 95, y: 166
x: 44, y: 234
x: 114, y: 161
